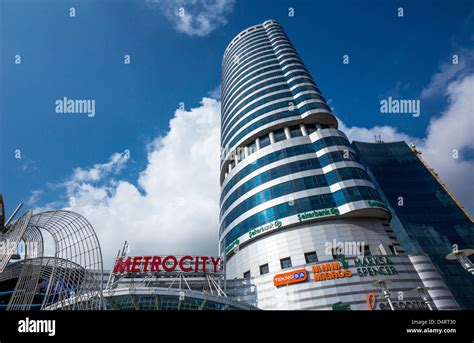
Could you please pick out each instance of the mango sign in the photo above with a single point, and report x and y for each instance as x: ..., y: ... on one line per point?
x: 287, y: 278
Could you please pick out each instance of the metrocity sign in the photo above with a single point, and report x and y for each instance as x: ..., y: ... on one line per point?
x: 167, y: 264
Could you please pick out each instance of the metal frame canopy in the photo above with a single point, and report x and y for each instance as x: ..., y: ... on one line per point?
x: 74, y: 270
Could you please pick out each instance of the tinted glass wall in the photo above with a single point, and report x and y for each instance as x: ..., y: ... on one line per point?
x: 431, y: 221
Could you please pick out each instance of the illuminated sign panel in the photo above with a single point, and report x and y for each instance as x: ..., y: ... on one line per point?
x: 331, y: 270
x: 167, y: 264
x: 287, y: 278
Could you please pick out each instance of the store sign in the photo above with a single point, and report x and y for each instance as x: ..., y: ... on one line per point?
x: 413, y: 305
x: 375, y: 265
x: 264, y: 228
x: 317, y: 214
x: 167, y: 264
x: 287, y: 278
x: 371, y: 300
x: 375, y: 203
x: 277, y: 224
x: 331, y: 270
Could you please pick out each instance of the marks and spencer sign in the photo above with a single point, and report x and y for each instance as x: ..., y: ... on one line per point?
x: 167, y: 264
x: 295, y: 276
x: 375, y: 265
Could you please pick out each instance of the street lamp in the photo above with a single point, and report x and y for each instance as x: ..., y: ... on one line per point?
x: 462, y: 257
x: 382, y: 284
x: 423, y: 292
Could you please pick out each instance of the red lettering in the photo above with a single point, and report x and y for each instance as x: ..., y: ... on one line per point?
x: 121, y: 267
x: 169, y: 263
x: 182, y: 267
x: 136, y: 263
x: 196, y: 264
x: 215, y: 262
x: 204, y: 264
x: 165, y: 266
x: 155, y: 264
x: 146, y: 260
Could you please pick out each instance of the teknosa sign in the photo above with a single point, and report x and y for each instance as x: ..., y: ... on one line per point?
x: 287, y: 278
x: 167, y: 264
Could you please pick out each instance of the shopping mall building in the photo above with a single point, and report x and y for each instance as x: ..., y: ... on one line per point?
x: 299, y: 214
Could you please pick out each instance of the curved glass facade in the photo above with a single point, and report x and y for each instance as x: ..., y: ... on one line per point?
x: 283, y: 154
x: 292, y: 185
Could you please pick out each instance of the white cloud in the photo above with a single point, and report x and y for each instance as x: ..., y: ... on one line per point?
x: 449, y: 72
x: 215, y: 93
x: 116, y: 163
x: 454, y: 131
x: 195, y: 17
x: 177, y: 212
x: 387, y: 133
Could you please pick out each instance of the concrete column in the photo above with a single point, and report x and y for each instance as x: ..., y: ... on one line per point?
x: 246, y: 151
x: 272, y: 138
x: 303, y: 129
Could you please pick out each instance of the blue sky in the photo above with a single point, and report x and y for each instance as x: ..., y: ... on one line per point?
x: 82, y: 58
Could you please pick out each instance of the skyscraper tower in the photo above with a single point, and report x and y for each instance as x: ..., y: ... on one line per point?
x: 293, y: 191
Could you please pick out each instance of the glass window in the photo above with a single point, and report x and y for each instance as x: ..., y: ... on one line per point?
x: 264, y: 141
x: 367, y: 251
x: 241, y: 153
x: 279, y: 135
x: 285, y: 263
x: 247, y: 274
x: 311, y: 257
x: 295, y: 131
x: 336, y: 255
x: 252, y: 147
x: 264, y: 269
x: 310, y: 128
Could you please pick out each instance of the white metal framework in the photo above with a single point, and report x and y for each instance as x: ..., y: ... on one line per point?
x: 73, y: 271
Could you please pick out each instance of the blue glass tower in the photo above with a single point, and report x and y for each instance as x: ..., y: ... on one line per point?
x: 427, y: 219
